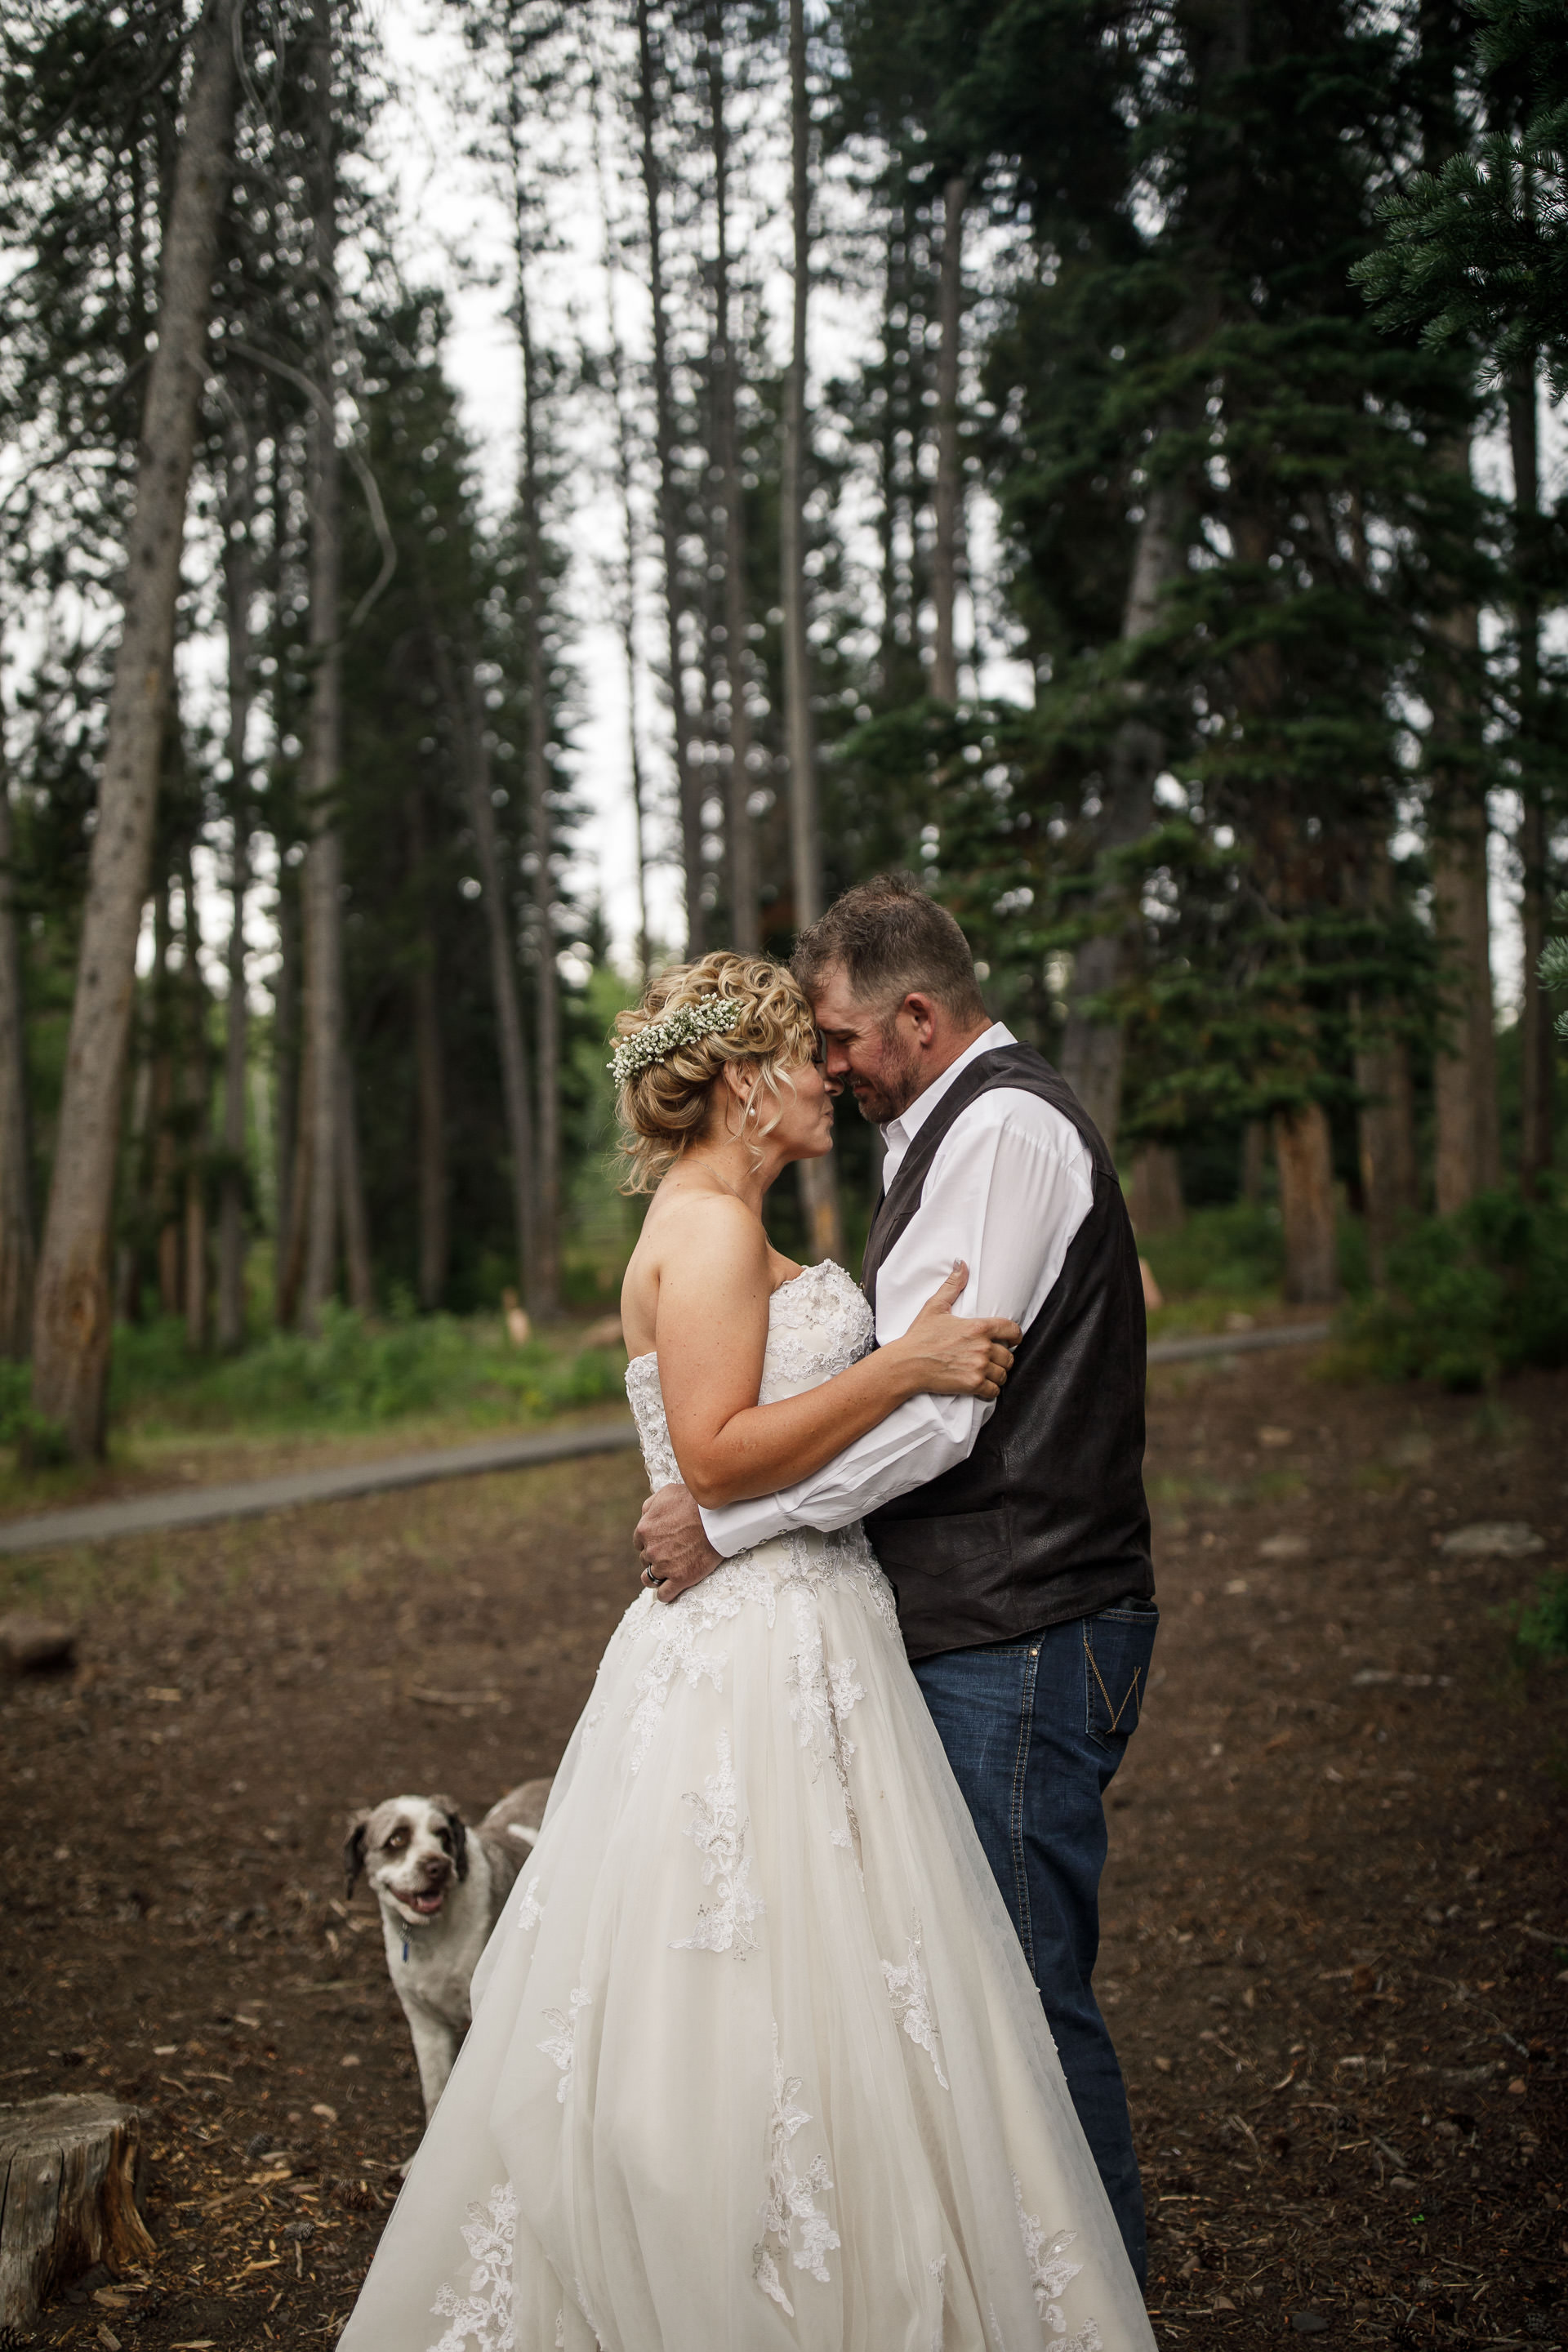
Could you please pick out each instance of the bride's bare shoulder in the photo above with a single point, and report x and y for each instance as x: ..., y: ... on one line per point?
x: 694, y: 1225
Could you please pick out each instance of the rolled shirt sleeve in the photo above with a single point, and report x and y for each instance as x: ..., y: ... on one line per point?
x: 1008, y: 1187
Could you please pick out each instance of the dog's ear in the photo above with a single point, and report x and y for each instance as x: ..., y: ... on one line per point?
x: 458, y: 1831
x: 353, y: 1854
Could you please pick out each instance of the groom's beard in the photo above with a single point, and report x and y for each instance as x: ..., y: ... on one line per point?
x: 892, y: 1088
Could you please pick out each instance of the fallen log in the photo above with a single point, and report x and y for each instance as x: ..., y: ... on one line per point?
x: 68, y: 2197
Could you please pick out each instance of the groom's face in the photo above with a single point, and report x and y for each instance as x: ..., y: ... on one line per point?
x: 872, y: 1049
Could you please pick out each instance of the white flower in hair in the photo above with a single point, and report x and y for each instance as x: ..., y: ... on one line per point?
x: 711, y: 1016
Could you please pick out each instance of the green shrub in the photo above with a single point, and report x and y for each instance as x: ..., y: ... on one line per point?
x: 1470, y: 1297
x: 1542, y: 1628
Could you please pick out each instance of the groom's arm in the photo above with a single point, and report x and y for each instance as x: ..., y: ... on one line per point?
x: 1007, y: 1191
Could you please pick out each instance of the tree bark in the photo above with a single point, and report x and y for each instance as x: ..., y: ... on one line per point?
x: 429, y: 1073
x: 239, y: 511
x: 1254, y: 1160
x: 665, y: 440
x: 817, y: 1178
x: 1537, y: 1047
x: 323, y: 876
x: 544, y: 1294
x: 1302, y: 1148
x: 15, y: 1179
x: 1094, y: 1046
x: 286, y: 1090
x: 71, y: 1327
x: 745, y: 915
x: 197, y: 1091
x: 947, y: 555
x: 350, y: 1194
x: 1154, y: 1200
x: 626, y: 598
x: 466, y: 707
x: 163, y: 1152
x: 1468, y: 1157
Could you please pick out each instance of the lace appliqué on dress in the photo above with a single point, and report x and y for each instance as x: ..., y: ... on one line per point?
x: 822, y: 1691
x: 561, y: 2045
x: 792, y: 2224
x: 1051, y: 2274
x: 485, y: 2313
x: 719, y: 1836
x: 529, y: 1912
x: 910, y: 1997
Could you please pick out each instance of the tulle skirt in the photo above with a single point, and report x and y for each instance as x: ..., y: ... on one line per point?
x: 756, y: 2063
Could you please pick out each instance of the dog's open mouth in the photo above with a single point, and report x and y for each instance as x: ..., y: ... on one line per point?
x: 426, y: 1905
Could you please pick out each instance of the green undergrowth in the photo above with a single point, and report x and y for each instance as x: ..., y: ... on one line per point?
x: 1540, y: 1626
x: 356, y: 1374
x: 1467, y: 1297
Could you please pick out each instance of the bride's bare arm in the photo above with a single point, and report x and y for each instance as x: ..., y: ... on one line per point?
x: 711, y: 1328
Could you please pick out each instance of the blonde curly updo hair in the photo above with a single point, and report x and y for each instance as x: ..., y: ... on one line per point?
x: 723, y: 1008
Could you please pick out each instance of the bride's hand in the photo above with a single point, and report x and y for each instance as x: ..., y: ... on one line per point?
x: 950, y: 1355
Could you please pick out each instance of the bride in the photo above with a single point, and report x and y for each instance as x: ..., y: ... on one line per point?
x: 756, y: 2061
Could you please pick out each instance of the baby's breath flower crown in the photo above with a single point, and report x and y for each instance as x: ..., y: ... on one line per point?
x: 683, y: 1027
x: 695, y: 1018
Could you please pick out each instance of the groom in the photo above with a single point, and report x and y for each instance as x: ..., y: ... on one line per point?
x: 1015, y: 1535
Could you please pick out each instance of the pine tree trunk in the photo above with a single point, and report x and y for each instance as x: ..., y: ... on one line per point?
x: 1254, y: 1161
x: 162, y: 1147
x: 71, y: 1326
x: 817, y: 1178
x: 465, y: 706
x: 1468, y: 1158
x: 323, y: 744
x: 687, y: 789
x: 1154, y: 1200
x: 285, y: 1087
x: 1385, y: 1141
x: 745, y: 916
x: 544, y: 1294
x: 947, y: 554
x: 16, y: 1181
x: 357, y: 1266
x: 239, y: 509
x: 1537, y: 1047
x: 430, y: 1081
x: 197, y: 1094
x: 1302, y: 1148
x: 1094, y: 1046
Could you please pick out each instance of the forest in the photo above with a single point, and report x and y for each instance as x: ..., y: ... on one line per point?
x: 1167, y: 562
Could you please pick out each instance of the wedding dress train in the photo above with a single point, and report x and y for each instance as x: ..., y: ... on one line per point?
x: 756, y: 2063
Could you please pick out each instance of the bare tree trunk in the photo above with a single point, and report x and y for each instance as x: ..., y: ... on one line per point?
x: 350, y: 1194
x: 745, y: 914
x: 1094, y: 1046
x: 197, y: 1092
x: 1385, y: 1140
x: 323, y: 754
x: 286, y: 1090
x: 1467, y: 1154
x: 665, y: 440
x: 948, y: 553
x: 817, y: 1178
x: 1537, y: 1047
x: 1254, y: 1160
x: 1303, y: 1151
x: 71, y: 1326
x: 467, y: 710
x: 1154, y: 1200
x: 239, y: 509
x: 163, y: 1150
x: 429, y: 1079
x: 15, y: 1181
x: 627, y: 598
x: 544, y: 1294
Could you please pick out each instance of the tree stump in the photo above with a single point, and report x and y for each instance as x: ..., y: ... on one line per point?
x: 68, y: 2197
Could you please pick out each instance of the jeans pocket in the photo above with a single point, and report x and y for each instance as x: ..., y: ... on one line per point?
x: 1117, y: 1647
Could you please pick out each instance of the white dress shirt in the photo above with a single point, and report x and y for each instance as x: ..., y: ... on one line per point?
x: 1008, y: 1187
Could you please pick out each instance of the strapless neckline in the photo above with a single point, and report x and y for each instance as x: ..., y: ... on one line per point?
x: 799, y: 1275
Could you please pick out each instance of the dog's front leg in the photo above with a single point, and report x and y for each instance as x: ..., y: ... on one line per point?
x: 435, y: 2045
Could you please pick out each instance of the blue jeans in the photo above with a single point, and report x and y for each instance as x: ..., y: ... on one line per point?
x: 1034, y: 1731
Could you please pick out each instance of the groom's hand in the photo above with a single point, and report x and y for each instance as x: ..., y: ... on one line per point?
x: 672, y: 1543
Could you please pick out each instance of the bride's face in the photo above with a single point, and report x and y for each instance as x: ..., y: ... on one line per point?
x: 797, y: 1116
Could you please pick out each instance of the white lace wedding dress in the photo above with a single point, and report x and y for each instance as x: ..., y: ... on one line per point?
x: 756, y: 2063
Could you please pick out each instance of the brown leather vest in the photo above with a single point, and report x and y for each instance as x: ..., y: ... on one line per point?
x: 1046, y: 1520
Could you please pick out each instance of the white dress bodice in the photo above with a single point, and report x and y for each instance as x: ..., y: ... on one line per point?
x: 818, y: 1324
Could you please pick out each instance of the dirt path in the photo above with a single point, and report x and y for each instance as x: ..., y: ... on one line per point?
x: 1337, y: 1920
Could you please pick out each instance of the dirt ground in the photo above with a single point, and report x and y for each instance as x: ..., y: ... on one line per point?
x: 1336, y: 1948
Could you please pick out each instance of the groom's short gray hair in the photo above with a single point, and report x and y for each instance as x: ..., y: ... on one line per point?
x: 892, y: 940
